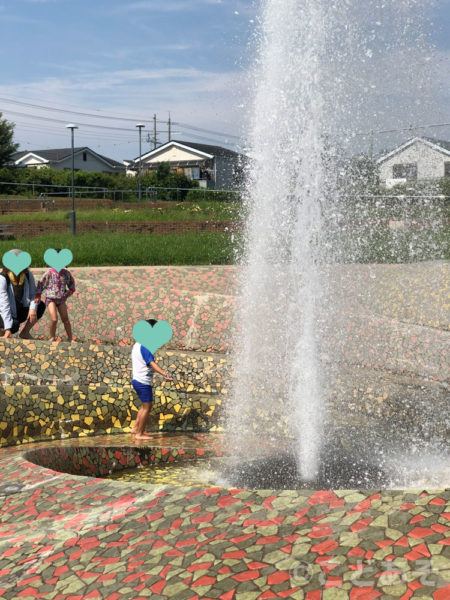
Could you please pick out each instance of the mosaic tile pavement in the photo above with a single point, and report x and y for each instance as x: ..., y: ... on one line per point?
x: 58, y: 389
x: 199, y: 303
x: 68, y: 537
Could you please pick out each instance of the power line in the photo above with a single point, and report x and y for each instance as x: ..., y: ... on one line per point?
x: 109, y: 117
x: 71, y: 112
x: 41, y: 118
x: 410, y: 128
x: 206, y: 130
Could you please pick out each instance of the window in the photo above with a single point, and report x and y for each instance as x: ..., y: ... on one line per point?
x: 85, y: 156
x: 447, y: 169
x: 405, y: 171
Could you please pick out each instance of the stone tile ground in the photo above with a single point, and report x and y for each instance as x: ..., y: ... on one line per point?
x: 65, y: 536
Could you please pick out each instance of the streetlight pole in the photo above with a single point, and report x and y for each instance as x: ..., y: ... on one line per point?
x: 140, y: 126
x: 71, y: 126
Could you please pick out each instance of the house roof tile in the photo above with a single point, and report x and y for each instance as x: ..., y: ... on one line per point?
x: 59, y: 154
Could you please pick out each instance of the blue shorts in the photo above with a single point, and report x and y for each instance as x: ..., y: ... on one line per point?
x: 143, y: 390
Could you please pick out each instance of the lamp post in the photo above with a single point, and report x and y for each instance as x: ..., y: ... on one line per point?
x: 71, y: 126
x: 140, y: 126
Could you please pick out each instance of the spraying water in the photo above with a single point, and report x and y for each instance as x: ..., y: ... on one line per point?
x: 277, y: 364
x: 321, y: 72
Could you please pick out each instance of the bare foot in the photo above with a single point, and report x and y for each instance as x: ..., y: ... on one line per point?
x: 52, y: 339
x: 143, y: 436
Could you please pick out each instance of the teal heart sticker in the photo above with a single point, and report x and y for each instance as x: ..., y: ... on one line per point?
x: 16, y: 262
x: 58, y: 260
x: 154, y: 337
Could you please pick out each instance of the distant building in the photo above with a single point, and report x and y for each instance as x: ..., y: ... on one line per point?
x: 211, y: 166
x: 418, y: 159
x: 85, y: 159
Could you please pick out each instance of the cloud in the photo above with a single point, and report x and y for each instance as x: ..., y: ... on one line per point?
x: 201, y: 98
x: 168, y: 5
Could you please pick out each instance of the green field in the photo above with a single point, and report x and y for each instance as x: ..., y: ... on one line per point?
x: 93, y: 249
x: 185, y: 211
x: 366, y: 246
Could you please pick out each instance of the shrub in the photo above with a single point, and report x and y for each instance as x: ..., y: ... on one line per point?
x: 199, y: 195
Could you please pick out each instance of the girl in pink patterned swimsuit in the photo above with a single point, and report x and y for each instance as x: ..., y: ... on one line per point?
x: 58, y: 287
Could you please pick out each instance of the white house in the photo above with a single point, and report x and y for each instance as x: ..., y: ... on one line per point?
x: 211, y: 166
x: 85, y: 159
x: 418, y: 159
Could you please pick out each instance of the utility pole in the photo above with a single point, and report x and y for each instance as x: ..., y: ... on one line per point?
x: 154, y: 131
x: 371, y: 144
x: 140, y: 126
x: 72, y: 127
x: 169, y: 128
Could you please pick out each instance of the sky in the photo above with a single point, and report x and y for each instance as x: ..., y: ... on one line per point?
x: 106, y: 65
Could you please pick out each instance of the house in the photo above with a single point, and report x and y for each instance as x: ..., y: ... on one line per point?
x: 418, y: 159
x: 211, y: 166
x: 85, y: 159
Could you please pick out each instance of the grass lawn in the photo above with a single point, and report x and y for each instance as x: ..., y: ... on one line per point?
x: 123, y: 249
x: 382, y: 245
x: 119, y: 249
x: 184, y: 211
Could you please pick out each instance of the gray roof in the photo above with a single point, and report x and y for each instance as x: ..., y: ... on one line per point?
x: 59, y: 154
x: 207, y: 148
x: 442, y: 143
x: 215, y: 150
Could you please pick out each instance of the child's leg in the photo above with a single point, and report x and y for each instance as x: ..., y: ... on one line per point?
x: 142, y: 424
x: 145, y: 394
x: 136, y: 423
x: 62, y: 309
x: 53, y: 320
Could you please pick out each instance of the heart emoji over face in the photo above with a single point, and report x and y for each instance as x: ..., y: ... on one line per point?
x: 16, y: 262
x: 154, y: 337
x: 58, y: 260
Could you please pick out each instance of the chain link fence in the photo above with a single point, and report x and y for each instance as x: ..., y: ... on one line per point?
x: 34, y: 196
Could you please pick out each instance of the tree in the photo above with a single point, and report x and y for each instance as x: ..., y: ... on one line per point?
x: 7, y: 145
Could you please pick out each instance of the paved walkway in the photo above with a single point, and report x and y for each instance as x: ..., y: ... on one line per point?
x: 69, y: 537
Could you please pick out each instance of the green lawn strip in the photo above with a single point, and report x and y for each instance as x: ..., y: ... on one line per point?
x: 217, y: 211
x: 120, y: 249
x: 125, y: 249
x: 384, y: 246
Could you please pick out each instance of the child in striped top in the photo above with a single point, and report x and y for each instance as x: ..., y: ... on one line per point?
x: 58, y: 287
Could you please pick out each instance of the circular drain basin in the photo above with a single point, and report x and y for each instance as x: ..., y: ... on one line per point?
x: 200, y: 472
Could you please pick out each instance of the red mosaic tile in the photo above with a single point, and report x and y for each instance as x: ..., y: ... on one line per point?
x: 158, y: 587
x: 420, y: 532
x: 416, y: 519
x: 333, y: 582
x: 270, y: 539
x: 278, y: 577
x: 438, y: 501
x: 313, y: 595
x: 205, y: 580
x: 247, y: 575
x: 440, y: 528
x: 319, y: 531
x: 234, y: 554
x: 442, y: 594
x: 199, y: 566
x: 325, y: 546
x: 267, y: 595
x: 364, y: 593
x: 361, y: 524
